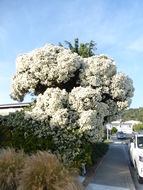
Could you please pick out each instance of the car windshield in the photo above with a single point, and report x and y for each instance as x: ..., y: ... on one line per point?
x: 140, y: 142
x: 121, y: 133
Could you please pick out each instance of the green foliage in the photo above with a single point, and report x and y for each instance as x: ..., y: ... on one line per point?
x: 31, y: 135
x: 17, y: 132
x: 133, y: 114
x: 91, y: 154
x: 108, y: 141
x: 85, y: 156
x: 138, y: 127
x: 114, y: 130
x: 99, y: 149
x: 83, y: 49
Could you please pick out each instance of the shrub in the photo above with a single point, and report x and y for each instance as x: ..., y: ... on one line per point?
x: 108, y: 141
x: 43, y: 171
x: 98, y: 150
x: 138, y: 127
x: 24, y: 134
x: 90, y: 154
x: 32, y: 135
x: 11, y: 163
x: 114, y: 130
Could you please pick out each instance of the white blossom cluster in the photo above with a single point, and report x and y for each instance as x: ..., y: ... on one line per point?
x: 52, y: 104
x: 97, y: 71
x: 49, y: 66
x: 121, y: 87
x: 84, y: 98
x: 96, y: 93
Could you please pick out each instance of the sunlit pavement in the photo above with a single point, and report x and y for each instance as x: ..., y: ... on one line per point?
x: 113, y: 173
x: 132, y: 169
x: 104, y: 187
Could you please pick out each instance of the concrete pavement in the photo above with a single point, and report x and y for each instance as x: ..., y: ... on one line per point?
x: 113, y: 173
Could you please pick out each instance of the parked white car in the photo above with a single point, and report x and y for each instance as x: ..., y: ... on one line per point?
x: 136, y: 154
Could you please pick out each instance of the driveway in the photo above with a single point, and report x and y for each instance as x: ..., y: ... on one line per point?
x: 113, y: 173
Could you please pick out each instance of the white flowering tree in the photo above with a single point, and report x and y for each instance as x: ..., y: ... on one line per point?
x: 74, y: 94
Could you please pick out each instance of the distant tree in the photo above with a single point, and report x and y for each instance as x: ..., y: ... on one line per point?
x: 114, y: 130
x: 138, y: 127
x: 83, y: 49
x: 133, y: 114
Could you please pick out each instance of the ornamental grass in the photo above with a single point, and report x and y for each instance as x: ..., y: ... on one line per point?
x: 43, y: 171
x: 11, y: 163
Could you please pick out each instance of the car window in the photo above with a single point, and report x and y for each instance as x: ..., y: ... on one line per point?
x: 140, y: 142
x: 120, y: 133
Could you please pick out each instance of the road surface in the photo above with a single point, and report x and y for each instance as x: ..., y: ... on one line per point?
x: 113, y: 173
x: 132, y: 169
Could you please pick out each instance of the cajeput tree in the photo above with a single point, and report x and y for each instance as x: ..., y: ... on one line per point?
x: 73, y: 94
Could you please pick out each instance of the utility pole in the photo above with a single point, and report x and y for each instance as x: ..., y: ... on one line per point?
x: 107, y: 133
x: 107, y: 130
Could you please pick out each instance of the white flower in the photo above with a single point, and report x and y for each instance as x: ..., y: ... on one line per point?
x: 48, y: 66
x: 82, y: 98
x: 59, y: 118
x: 73, y: 94
x: 97, y: 71
x: 121, y: 87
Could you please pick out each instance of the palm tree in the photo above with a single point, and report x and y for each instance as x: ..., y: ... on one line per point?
x: 84, y: 49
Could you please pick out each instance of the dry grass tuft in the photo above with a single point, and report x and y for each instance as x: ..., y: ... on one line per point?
x: 11, y: 162
x: 43, y: 171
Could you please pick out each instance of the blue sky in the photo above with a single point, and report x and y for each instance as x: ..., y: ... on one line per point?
x: 115, y: 25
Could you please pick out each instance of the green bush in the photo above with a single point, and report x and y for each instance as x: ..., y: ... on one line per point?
x: 31, y: 136
x: 99, y: 150
x: 85, y: 156
x: 138, y: 127
x: 17, y: 132
x: 108, y: 141
x: 91, y: 154
x: 114, y: 130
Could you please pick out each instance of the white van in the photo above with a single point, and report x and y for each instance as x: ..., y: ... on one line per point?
x: 136, y: 154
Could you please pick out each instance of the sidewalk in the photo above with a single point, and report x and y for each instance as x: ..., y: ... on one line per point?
x: 113, y: 173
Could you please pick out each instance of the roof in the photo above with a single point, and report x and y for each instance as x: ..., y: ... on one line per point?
x: 16, y: 105
x: 116, y: 122
x: 125, y: 122
x: 132, y: 121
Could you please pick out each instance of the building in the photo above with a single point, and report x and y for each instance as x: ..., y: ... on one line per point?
x: 5, y: 109
x: 126, y: 127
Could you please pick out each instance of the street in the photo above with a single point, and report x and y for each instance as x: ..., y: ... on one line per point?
x: 132, y: 169
x: 115, y: 172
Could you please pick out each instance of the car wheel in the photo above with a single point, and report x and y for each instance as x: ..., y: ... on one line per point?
x: 140, y: 179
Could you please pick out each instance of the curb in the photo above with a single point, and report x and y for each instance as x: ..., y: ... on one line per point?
x: 98, y: 165
x: 130, y: 179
